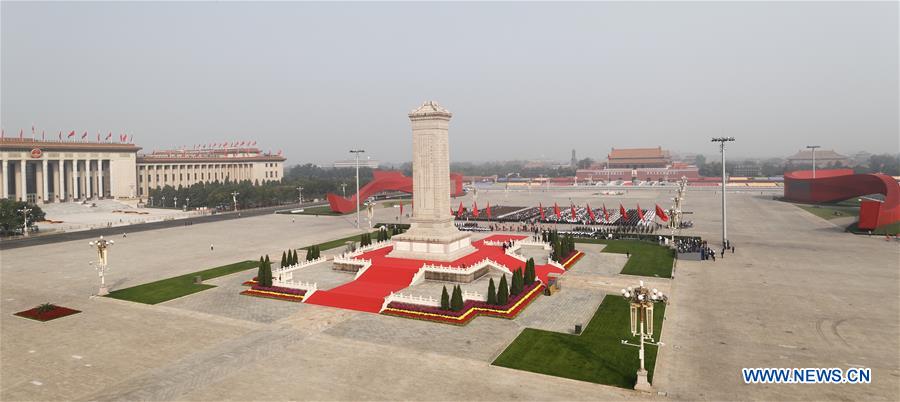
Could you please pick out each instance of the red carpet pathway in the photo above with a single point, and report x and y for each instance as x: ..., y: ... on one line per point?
x: 387, y: 275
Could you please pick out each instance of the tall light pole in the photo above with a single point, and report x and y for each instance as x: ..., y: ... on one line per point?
x: 176, y: 202
x: 356, y: 153
x: 300, y: 194
x: 234, y: 195
x: 102, y: 246
x: 813, y: 148
x: 25, y: 211
x: 344, y: 189
x: 722, y: 141
x: 642, y: 300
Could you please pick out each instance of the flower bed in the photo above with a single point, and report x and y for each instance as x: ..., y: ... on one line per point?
x: 572, y: 259
x: 276, y: 292
x: 470, y: 309
x: 52, y: 314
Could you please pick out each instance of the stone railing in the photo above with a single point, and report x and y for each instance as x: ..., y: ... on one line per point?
x: 309, y: 287
x: 555, y: 264
x: 365, y: 249
x: 411, y: 299
x: 460, y: 274
x: 467, y: 295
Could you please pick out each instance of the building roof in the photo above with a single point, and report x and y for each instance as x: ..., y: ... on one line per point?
x: 26, y: 144
x: 654, y: 154
x: 806, y: 155
x: 238, y: 154
x: 430, y: 108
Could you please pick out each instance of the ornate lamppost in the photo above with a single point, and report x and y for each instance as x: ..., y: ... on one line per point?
x: 234, y: 195
x: 25, y: 211
x: 102, y: 246
x: 642, y: 300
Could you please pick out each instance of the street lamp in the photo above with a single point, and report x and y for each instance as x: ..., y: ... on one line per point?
x: 813, y: 148
x: 25, y: 211
x: 151, y: 201
x: 356, y: 153
x: 344, y: 189
x: 300, y: 194
x: 722, y: 141
x: 234, y: 195
x: 163, y: 201
x: 642, y: 300
x: 176, y: 202
x: 187, y: 203
x: 102, y: 246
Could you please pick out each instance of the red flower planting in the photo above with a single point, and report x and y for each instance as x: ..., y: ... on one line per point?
x: 470, y: 309
x: 276, y: 292
x: 44, y: 314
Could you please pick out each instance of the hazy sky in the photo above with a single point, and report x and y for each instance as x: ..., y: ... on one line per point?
x: 523, y: 80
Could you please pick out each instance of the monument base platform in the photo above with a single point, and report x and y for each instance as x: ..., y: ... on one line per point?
x: 449, y: 247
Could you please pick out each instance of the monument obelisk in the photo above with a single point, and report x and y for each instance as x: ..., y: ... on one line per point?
x: 432, y: 234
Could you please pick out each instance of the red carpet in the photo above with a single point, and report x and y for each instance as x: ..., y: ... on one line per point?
x: 388, y: 275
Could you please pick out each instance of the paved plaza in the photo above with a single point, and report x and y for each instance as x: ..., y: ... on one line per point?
x: 797, y: 293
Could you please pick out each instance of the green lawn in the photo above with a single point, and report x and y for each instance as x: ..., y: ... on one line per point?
x: 597, y: 355
x: 892, y: 229
x: 319, y: 210
x: 647, y: 259
x: 830, y: 211
x: 172, y: 288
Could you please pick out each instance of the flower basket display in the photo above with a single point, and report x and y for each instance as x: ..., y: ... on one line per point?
x: 47, y: 312
x: 276, y: 292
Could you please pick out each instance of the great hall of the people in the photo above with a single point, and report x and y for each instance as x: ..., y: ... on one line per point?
x: 58, y: 171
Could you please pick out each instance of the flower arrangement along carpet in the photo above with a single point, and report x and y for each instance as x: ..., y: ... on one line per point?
x: 470, y: 310
x: 46, y: 314
x: 275, y: 292
x: 572, y: 259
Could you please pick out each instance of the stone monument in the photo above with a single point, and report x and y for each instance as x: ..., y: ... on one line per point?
x: 432, y: 234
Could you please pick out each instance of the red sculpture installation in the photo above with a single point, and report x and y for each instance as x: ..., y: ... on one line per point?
x: 385, y: 180
x: 833, y: 185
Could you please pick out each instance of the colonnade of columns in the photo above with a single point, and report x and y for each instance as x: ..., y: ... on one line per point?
x: 54, y: 180
x: 158, y: 175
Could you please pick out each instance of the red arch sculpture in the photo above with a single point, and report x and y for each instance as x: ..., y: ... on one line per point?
x: 385, y: 180
x: 840, y: 184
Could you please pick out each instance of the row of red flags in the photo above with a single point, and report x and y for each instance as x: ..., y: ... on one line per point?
x: 122, y: 137
x: 476, y: 213
x: 225, y: 144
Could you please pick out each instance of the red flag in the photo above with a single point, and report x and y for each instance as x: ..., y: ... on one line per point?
x: 3, y: 133
x: 605, y: 213
x: 98, y: 136
x: 32, y: 131
x: 459, y: 213
x: 72, y: 134
x: 488, y: 210
x: 623, y: 212
x: 640, y: 212
x: 661, y: 214
x: 556, y: 210
x: 20, y: 133
x: 83, y: 136
x: 108, y: 136
x: 573, y: 211
x: 401, y: 207
x: 541, y: 207
x: 42, y: 134
x: 475, y: 209
x: 131, y: 139
x: 591, y: 213
x: 60, y: 135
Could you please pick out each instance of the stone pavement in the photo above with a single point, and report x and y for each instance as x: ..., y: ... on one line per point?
x: 797, y: 293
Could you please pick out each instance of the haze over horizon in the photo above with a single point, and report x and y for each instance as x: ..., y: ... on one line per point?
x: 524, y: 80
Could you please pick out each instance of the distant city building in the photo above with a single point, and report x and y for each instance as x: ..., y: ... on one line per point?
x: 747, y: 171
x: 824, y: 157
x: 636, y: 158
x: 187, y: 167
x: 370, y: 163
